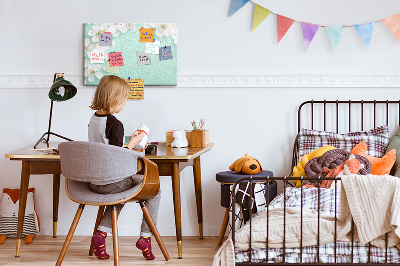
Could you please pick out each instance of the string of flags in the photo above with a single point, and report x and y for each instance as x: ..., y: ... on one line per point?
x: 309, y: 30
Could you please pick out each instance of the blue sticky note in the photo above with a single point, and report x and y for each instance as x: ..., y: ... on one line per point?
x: 105, y: 39
x: 165, y: 53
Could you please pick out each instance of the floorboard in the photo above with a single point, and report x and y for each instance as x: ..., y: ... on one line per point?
x: 44, y: 251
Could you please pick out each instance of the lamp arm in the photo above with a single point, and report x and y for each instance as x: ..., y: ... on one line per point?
x: 50, y: 116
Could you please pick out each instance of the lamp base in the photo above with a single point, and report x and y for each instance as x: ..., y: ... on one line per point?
x: 45, y: 139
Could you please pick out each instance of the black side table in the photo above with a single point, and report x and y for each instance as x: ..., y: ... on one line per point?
x: 229, y: 178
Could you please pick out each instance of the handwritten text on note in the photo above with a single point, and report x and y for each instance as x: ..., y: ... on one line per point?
x: 116, y: 59
x: 153, y: 47
x: 105, y: 39
x: 165, y: 53
x: 143, y: 59
x: 146, y: 35
x: 97, y: 56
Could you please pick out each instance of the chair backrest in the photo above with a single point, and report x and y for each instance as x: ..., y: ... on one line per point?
x: 93, y: 162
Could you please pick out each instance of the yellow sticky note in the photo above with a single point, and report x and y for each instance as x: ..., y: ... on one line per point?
x: 137, y: 89
x: 146, y: 35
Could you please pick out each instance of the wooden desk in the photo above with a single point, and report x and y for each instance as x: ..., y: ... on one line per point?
x: 170, y: 162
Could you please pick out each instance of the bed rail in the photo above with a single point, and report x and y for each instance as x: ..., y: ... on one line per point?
x: 285, y: 180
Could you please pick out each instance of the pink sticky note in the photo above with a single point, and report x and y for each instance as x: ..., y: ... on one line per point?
x: 116, y: 59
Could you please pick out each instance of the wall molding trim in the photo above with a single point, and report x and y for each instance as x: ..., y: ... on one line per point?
x: 227, y: 81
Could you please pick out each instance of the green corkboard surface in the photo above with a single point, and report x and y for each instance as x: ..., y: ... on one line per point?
x: 126, y: 39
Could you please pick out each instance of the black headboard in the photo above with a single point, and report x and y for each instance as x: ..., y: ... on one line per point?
x: 346, y: 116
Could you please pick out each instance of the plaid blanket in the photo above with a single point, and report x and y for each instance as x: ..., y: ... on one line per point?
x: 326, y: 252
x: 244, y: 202
x: 310, y: 199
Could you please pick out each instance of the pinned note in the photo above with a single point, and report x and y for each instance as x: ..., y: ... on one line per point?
x: 153, y: 47
x: 165, y: 53
x: 97, y: 56
x: 137, y: 88
x: 105, y: 39
x: 116, y: 59
x: 143, y: 59
x: 110, y: 69
x: 146, y: 35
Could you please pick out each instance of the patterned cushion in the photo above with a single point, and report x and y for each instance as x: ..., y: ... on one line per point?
x: 377, y: 139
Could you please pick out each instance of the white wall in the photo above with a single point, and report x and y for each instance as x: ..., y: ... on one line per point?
x: 40, y: 38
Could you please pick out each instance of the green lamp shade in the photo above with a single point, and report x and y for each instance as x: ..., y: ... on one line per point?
x: 62, y: 90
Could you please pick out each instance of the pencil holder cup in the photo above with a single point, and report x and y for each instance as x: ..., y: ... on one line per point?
x: 199, y: 138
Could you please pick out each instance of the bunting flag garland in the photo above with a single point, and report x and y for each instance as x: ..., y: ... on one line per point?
x: 260, y: 13
x: 309, y: 30
x: 335, y: 34
x: 283, y: 25
x: 365, y: 32
x: 393, y: 24
x: 236, y: 5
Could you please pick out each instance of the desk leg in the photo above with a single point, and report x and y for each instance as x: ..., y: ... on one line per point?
x: 56, y: 199
x: 197, y: 187
x: 176, y: 190
x: 25, y: 175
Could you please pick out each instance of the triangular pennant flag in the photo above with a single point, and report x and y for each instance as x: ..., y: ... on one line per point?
x: 335, y: 35
x: 309, y: 31
x: 236, y: 5
x: 393, y: 23
x: 283, y: 24
x: 260, y: 13
x: 365, y: 32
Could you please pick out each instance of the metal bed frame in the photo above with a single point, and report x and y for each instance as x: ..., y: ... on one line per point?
x: 337, y: 108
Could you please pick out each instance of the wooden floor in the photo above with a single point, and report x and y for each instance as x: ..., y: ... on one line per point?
x: 44, y: 250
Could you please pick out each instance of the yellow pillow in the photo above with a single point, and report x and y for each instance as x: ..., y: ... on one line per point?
x: 298, y: 170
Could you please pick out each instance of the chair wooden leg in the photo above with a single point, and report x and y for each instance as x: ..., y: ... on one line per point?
x: 70, y: 234
x: 115, y: 235
x: 223, y: 227
x: 98, y: 220
x: 154, y: 230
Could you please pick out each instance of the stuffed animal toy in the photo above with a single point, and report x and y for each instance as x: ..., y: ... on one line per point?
x: 380, y: 166
x: 180, y: 140
x: 351, y: 166
x: 9, y: 205
x: 332, y: 159
x: 298, y: 170
x: 246, y: 165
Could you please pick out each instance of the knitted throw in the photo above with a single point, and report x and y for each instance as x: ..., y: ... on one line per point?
x: 374, y: 203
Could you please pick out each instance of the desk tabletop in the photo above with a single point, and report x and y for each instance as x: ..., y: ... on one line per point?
x: 163, y: 153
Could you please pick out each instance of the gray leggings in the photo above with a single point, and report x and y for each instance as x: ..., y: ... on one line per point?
x: 120, y: 186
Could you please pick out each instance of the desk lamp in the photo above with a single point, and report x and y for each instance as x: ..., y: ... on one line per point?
x: 61, y: 90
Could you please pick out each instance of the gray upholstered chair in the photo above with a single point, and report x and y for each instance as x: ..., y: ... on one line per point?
x: 83, y: 162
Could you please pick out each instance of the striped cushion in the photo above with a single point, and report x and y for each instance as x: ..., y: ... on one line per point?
x: 377, y: 139
x: 8, y: 225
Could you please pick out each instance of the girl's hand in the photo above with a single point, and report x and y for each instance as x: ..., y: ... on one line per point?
x: 142, y: 150
x: 135, y: 139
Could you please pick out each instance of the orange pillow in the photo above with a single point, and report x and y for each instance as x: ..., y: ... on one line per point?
x: 380, y: 166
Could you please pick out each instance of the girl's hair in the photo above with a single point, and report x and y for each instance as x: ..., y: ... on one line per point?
x: 109, y: 93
